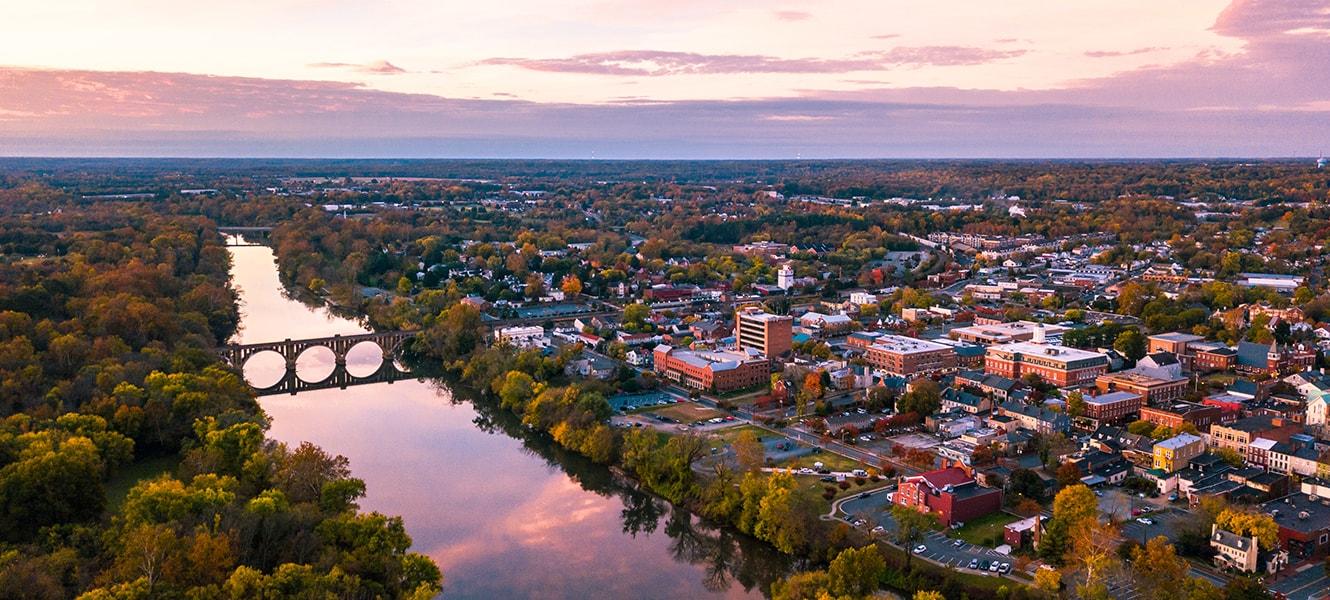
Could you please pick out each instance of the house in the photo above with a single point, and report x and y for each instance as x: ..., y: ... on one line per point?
x: 995, y: 386
x: 1314, y: 387
x: 1038, y: 419
x: 1024, y: 533
x: 1239, y: 435
x: 1236, y: 552
x: 961, y: 400
x: 951, y: 493
x: 1177, y: 452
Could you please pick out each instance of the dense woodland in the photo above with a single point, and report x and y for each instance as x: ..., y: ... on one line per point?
x: 132, y: 463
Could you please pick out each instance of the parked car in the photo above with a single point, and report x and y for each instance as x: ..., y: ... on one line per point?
x: 1005, y: 568
x: 958, y: 543
x: 1145, y: 521
x: 879, y: 529
x: 974, y: 563
x: 994, y: 567
x: 983, y: 565
x: 920, y: 549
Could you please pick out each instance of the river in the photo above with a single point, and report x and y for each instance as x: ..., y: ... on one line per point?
x: 504, y: 513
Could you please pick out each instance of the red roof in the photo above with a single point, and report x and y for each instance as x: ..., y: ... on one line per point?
x: 948, y: 476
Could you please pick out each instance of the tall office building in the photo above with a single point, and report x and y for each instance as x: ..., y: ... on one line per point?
x: 767, y: 333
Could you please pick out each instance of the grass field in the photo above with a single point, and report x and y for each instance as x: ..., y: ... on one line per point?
x: 687, y: 412
x: 829, y: 460
x: 117, y: 488
x: 985, y: 530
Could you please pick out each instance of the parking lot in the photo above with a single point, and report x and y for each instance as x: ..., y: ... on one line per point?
x: 937, y: 547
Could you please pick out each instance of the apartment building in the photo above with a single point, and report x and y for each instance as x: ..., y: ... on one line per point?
x: 1113, y: 407
x: 1175, y: 453
x: 1058, y: 365
x: 712, y: 371
x: 1239, y: 435
x: 910, y: 357
x: 756, y: 329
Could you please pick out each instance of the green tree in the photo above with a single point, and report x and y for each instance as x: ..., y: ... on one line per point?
x: 1132, y: 344
x: 911, y: 527
x: 855, y: 572
x: 749, y: 451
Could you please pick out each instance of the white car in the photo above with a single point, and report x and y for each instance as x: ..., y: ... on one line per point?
x: 1145, y: 521
x: 920, y: 549
x: 879, y: 529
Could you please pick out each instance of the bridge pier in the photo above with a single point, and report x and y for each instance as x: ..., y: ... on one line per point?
x: 389, y: 344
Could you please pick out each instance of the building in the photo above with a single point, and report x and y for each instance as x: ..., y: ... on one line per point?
x: 1006, y: 333
x: 755, y: 329
x: 862, y: 298
x: 1175, y: 453
x: 1035, y: 418
x: 1058, y: 365
x: 1177, y: 343
x: 1174, y: 414
x: 1213, y: 357
x: 1154, y: 389
x: 522, y: 337
x: 1303, y: 519
x: 712, y: 371
x: 785, y: 277
x: 1239, y: 435
x: 910, y: 357
x: 1273, y: 359
x: 951, y: 493
x: 1281, y: 283
x: 825, y: 324
x: 1233, y: 551
x: 1113, y: 407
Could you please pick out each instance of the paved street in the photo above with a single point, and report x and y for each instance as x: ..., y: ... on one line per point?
x: 1307, y: 583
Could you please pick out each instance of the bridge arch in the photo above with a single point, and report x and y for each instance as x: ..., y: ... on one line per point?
x: 390, y: 345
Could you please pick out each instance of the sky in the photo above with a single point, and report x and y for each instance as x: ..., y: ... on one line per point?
x: 665, y: 79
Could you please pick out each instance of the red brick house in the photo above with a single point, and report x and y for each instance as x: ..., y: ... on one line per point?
x: 951, y: 493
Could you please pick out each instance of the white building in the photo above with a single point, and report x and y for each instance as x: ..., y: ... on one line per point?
x: 523, y: 337
x: 862, y: 298
x: 785, y: 277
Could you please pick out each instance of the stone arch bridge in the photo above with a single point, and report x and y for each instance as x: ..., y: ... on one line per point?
x: 390, y: 344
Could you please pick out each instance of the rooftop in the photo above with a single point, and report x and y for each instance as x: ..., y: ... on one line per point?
x: 906, y: 345
x: 1059, y: 353
x: 1177, y: 336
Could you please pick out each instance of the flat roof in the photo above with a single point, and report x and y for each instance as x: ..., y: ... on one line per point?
x: 907, y: 345
x: 1051, y: 351
x: 1111, y: 397
x: 1002, y: 330
x: 1177, y: 336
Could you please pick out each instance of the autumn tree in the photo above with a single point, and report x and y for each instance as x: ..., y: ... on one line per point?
x: 855, y: 572
x: 749, y: 451
x: 1157, y: 567
x: 911, y: 527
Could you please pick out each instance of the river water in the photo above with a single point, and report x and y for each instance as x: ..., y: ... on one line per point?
x: 505, y: 513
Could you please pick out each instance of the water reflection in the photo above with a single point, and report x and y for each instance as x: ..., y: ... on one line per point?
x: 505, y: 512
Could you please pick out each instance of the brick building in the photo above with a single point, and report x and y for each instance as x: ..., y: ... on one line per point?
x: 910, y: 357
x: 1113, y: 407
x: 1058, y: 365
x: 712, y: 371
x: 772, y: 335
x: 1154, y: 389
x: 951, y: 493
x: 1174, y: 414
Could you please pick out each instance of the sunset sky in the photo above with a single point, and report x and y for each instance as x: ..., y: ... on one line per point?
x: 684, y: 78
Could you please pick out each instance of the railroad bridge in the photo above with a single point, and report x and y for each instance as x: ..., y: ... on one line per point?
x: 390, y: 344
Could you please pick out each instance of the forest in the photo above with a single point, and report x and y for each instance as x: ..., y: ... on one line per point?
x: 133, y: 464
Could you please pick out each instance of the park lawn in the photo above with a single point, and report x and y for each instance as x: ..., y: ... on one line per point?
x: 984, y: 530
x: 829, y: 460
x: 688, y: 412
x: 117, y: 488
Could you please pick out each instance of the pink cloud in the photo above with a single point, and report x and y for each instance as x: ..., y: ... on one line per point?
x: 793, y: 15
x: 654, y: 63
x: 378, y: 67
x: 1115, y: 53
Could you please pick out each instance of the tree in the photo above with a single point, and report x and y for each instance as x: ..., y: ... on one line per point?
x: 1076, y: 404
x: 1072, y: 507
x: 928, y: 595
x: 1141, y: 427
x: 403, y: 286
x: 809, y: 585
x: 1246, y: 588
x: 635, y: 316
x: 855, y: 572
x: 1247, y: 523
x: 1230, y: 456
x: 923, y: 399
x: 1093, y: 550
x: 911, y: 526
x: 1068, y: 474
x: 1025, y: 482
x: 571, y: 285
x: 1048, y: 580
x: 1157, y: 567
x: 1132, y: 344
x: 749, y: 451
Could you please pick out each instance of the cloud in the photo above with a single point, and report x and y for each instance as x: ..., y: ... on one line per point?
x: 887, y: 36
x: 657, y: 63
x: 792, y: 15
x: 1115, y: 53
x: 378, y: 67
